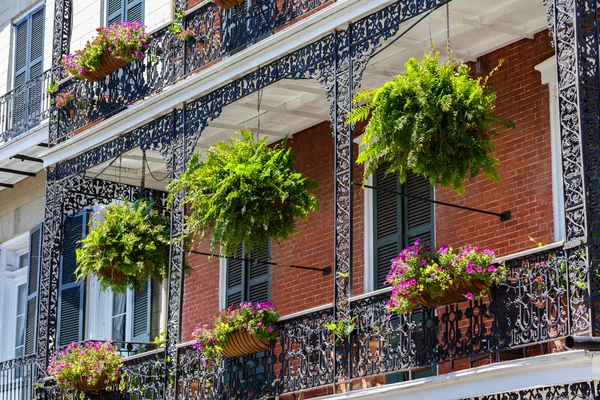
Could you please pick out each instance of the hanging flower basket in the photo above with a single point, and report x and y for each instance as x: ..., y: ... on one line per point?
x: 439, y: 277
x: 87, y: 367
x: 435, y: 120
x: 241, y: 343
x: 108, y: 64
x: 228, y: 3
x: 238, y: 331
x: 244, y: 192
x: 128, y: 244
x: 456, y: 293
x: 113, y: 48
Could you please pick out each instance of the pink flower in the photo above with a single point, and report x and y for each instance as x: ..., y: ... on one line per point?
x: 491, y: 268
x: 469, y: 296
x: 270, y: 329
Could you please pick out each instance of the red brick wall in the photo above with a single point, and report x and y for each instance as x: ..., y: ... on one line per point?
x: 525, y: 171
x: 292, y: 290
x: 525, y: 189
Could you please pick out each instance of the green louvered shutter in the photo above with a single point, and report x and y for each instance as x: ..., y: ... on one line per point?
x: 71, y: 302
x: 387, y: 224
x: 142, y: 302
x: 33, y: 278
x: 248, y: 280
x: 114, y: 12
x: 399, y: 221
x: 29, y: 51
x: 258, y: 273
x: 124, y: 10
x: 36, y: 63
x: 235, y: 278
x: 134, y: 10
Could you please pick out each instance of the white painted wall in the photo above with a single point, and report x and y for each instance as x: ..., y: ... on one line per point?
x: 22, y: 208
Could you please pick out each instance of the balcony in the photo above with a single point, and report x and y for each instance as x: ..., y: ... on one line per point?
x: 518, y: 320
x: 24, y: 107
x: 220, y: 33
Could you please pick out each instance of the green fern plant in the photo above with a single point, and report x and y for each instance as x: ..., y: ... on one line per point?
x: 244, y: 192
x: 435, y: 120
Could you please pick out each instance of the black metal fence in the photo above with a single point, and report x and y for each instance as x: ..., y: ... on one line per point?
x: 18, y: 378
x: 24, y: 107
x: 219, y: 33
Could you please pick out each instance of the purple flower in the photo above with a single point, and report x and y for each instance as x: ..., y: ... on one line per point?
x: 469, y: 296
x: 270, y: 329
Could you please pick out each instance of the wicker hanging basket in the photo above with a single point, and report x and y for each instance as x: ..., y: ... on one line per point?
x: 454, y: 294
x: 240, y: 343
x: 83, y: 385
x: 108, y: 64
x: 228, y: 3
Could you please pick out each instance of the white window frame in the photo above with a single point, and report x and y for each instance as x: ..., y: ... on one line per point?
x: 547, y: 69
x: 11, y: 277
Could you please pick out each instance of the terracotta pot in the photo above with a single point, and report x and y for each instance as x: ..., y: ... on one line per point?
x: 108, y: 64
x: 240, y: 343
x: 454, y: 294
x: 228, y: 3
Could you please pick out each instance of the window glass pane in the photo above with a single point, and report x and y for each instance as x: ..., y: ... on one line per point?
x: 118, y: 328
x: 24, y: 260
x: 20, y: 321
x: 119, y: 304
x: 21, y: 299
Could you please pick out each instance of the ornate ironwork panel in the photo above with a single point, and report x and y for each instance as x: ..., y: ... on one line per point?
x: 18, y: 378
x: 301, y: 359
x: 571, y: 391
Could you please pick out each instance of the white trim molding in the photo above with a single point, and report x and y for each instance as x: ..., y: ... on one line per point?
x: 547, y: 69
x: 548, y: 370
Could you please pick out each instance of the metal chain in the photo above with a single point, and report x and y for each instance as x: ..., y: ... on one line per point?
x: 120, y: 169
x: 448, y: 28
x: 143, y: 182
x: 260, y: 95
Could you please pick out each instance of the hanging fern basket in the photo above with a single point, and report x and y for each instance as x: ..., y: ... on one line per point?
x: 246, y: 191
x: 435, y: 120
x: 128, y: 243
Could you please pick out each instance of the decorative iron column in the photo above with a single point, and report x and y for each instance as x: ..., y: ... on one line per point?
x: 61, y: 42
x: 574, y: 27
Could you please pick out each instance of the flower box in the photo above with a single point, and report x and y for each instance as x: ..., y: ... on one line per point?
x: 228, y: 3
x: 108, y: 64
x: 456, y: 293
x: 241, y: 343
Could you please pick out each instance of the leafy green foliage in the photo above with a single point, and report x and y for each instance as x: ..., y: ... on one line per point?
x: 419, y: 269
x: 342, y: 328
x: 245, y: 191
x: 435, y: 121
x: 258, y: 319
x: 128, y: 244
x: 86, y: 365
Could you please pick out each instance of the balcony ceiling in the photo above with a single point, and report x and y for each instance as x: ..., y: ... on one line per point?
x: 21, y: 156
x: 290, y: 106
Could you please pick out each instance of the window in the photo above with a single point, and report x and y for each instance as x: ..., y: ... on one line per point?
x: 21, y: 315
x: 398, y: 221
x: 71, y: 300
x: 28, y: 65
x: 124, y: 10
x: 131, y: 313
x: 248, y: 280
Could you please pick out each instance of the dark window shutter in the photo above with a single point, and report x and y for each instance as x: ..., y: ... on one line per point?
x: 135, y: 10
x: 71, y: 303
x: 36, y: 63
x: 235, y: 278
x: 399, y: 221
x: 114, y: 12
x: 248, y: 280
x: 20, y: 71
x: 142, y: 302
x: 35, y: 258
x: 419, y: 220
x: 387, y: 227
x: 258, y: 283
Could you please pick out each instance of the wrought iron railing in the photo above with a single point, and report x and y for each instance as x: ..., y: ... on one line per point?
x: 18, y: 378
x: 219, y: 33
x: 24, y: 107
x: 530, y: 307
x: 535, y: 305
